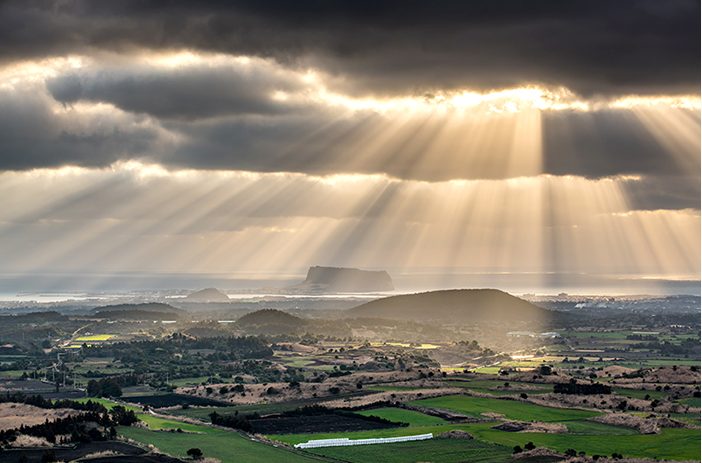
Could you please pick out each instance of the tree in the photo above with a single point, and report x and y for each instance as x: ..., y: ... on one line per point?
x: 110, y: 387
x: 530, y: 446
x: 195, y: 453
x: 94, y: 388
x: 517, y: 449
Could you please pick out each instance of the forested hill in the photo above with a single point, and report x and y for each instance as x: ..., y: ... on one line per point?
x: 459, y: 305
x: 145, y: 307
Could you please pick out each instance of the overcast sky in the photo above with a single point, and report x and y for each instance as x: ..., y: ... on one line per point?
x: 259, y: 138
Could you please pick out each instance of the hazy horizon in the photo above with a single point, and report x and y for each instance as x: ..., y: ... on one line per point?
x: 421, y: 281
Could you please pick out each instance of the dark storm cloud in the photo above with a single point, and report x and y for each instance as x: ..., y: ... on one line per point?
x: 33, y: 136
x: 192, y: 92
x: 604, y: 143
x: 657, y: 192
x: 320, y: 140
x: 608, y: 47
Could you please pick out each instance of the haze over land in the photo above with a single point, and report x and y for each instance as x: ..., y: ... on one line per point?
x: 540, y: 147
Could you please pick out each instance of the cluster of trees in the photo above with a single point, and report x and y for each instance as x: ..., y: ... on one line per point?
x: 586, y: 389
x: 528, y: 446
x: 75, y: 426
x: 163, y: 350
x: 686, y: 346
x: 105, y: 387
x: 41, y: 402
x: 231, y: 421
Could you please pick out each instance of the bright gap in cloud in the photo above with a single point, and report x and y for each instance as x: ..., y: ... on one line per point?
x: 315, y: 87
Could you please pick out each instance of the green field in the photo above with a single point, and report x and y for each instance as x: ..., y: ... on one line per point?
x: 227, y: 447
x: 434, y: 450
x: 156, y: 424
x: 489, y: 370
x: 404, y: 416
x: 513, y: 410
x: 671, y: 444
x: 95, y: 337
x: 391, y: 432
x: 638, y: 393
x: 484, y: 386
x: 593, y: 428
x: 391, y: 388
x: 690, y: 418
x: 692, y: 402
x: 198, y: 381
x: 11, y: 374
x: 110, y: 404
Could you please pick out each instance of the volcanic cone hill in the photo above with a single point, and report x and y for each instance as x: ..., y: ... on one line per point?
x: 270, y: 321
x: 207, y: 295
x: 457, y: 305
x: 344, y: 280
x: 145, y: 307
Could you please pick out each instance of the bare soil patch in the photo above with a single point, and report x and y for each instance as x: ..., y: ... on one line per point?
x: 538, y: 452
x: 535, y: 426
x: 648, y: 425
x: 456, y: 434
x: 346, y: 385
x: 13, y: 415
x: 393, y: 396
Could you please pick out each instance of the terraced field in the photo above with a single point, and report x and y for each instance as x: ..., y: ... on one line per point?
x: 225, y: 446
x: 434, y: 450
x: 404, y: 416
x: 513, y: 410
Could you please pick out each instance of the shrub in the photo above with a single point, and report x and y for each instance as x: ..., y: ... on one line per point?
x: 195, y: 453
